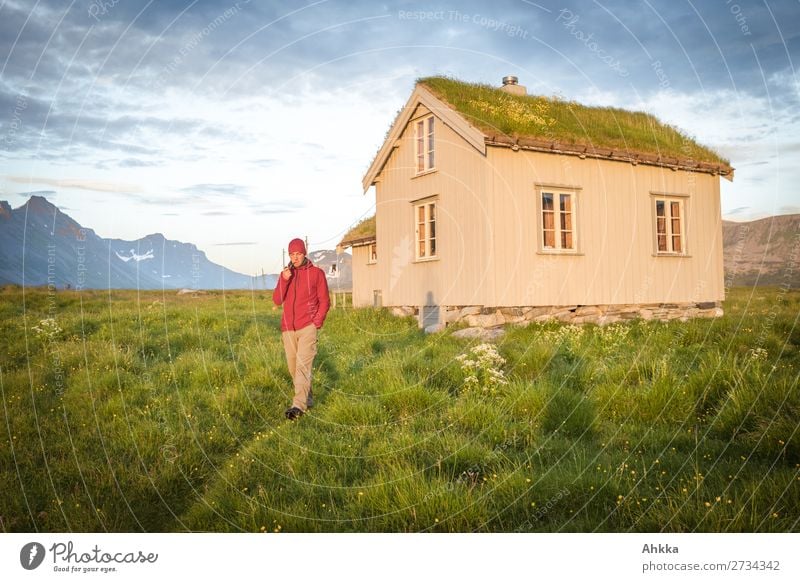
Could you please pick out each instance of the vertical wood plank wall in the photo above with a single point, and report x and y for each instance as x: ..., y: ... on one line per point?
x: 487, y: 229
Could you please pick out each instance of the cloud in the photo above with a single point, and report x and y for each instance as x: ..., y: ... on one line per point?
x: 127, y: 163
x: 745, y: 214
x: 68, y: 125
x: 277, y: 207
x: 137, y: 163
x: 91, y: 185
x: 227, y: 190
x: 789, y: 209
x: 234, y: 244
x: 265, y: 162
x: 753, y: 163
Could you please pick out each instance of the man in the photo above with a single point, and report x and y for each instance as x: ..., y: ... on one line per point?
x: 303, y: 291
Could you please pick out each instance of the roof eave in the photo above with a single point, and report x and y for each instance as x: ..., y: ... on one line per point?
x: 635, y: 158
x: 358, y: 242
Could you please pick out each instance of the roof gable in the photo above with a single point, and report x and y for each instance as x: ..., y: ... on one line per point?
x: 444, y: 112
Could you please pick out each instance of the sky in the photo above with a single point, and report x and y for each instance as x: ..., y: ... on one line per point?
x: 240, y: 125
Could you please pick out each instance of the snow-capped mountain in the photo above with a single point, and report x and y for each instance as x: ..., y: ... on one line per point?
x: 40, y: 245
x: 134, y: 257
x: 338, y: 268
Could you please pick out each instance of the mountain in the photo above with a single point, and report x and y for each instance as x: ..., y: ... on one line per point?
x: 338, y: 268
x: 40, y: 245
x: 763, y: 252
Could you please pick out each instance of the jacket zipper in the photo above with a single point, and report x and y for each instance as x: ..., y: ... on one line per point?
x: 294, y: 306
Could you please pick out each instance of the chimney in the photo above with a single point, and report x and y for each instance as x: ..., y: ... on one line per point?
x: 510, y: 85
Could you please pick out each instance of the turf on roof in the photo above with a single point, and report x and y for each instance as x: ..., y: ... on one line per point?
x: 363, y: 230
x: 496, y: 112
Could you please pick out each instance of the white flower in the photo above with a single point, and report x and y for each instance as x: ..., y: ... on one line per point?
x: 47, y: 328
x: 482, y: 367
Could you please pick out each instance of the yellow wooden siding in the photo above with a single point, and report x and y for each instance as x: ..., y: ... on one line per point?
x: 616, y: 262
x: 460, y: 274
x: 365, y: 278
x: 488, y: 226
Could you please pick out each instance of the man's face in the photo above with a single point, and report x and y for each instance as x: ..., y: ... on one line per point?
x: 297, y: 259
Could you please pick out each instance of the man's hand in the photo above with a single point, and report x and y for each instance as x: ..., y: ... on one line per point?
x: 286, y: 274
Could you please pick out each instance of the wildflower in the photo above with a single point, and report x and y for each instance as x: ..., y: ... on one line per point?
x: 482, y: 367
x: 47, y: 329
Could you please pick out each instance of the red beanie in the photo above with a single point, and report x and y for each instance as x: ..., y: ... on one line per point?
x: 297, y: 246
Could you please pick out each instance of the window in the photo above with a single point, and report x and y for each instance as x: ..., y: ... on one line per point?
x: 669, y: 220
x: 425, y: 218
x: 372, y: 254
x: 424, y: 144
x: 332, y: 272
x: 558, y: 220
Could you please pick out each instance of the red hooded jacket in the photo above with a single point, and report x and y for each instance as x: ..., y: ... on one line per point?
x: 304, y: 297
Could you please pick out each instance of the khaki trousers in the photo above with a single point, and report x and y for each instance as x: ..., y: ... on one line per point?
x: 301, y: 347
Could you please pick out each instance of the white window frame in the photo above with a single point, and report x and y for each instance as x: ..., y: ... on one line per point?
x: 559, y: 232
x: 372, y: 253
x: 665, y: 227
x: 426, y: 233
x: 424, y: 144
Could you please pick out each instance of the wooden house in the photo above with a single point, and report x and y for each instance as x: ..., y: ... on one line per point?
x: 493, y: 206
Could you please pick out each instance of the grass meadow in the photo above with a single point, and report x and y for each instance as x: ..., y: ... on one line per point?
x: 126, y: 411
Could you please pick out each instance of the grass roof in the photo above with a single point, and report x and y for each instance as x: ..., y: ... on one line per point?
x: 361, y: 232
x: 498, y: 113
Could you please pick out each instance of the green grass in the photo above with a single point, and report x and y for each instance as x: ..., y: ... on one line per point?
x: 554, y: 119
x: 154, y: 412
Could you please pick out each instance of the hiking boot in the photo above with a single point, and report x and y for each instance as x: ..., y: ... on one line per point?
x: 293, y: 413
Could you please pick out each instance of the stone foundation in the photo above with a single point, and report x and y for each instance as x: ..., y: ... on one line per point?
x: 478, y: 316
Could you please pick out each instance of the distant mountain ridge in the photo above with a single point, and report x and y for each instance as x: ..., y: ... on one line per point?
x: 40, y: 245
x: 762, y: 252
